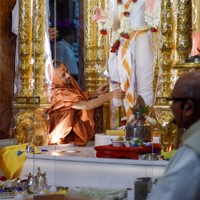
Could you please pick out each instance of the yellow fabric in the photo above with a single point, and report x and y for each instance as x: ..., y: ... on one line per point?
x: 11, y: 162
x: 115, y: 132
x: 168, y: 155
x: 64, y: 191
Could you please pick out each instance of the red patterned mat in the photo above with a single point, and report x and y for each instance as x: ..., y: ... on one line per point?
x: 109, y: 151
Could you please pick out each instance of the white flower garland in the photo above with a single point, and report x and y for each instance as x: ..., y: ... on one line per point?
x: 125, y: 25
x: 152, y: 12
x: 107, y: 25
x: 115, y: 37
x: 152, y: 17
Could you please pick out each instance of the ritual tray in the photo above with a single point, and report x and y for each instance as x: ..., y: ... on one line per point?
x: 109, y: 151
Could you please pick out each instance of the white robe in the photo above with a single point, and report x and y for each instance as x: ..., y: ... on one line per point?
x: 140, y: 58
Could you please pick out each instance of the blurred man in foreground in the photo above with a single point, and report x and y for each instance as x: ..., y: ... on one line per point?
x: 181, y: 179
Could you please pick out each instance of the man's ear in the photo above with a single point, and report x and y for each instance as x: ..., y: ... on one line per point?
x: 188, y: 108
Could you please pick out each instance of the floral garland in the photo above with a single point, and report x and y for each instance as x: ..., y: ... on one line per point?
x: 101, y: 17
x: 105, y: 21
x: 125, y: 26
x: 115, y: 42
x: 105, y: 27
x: 152, y: 13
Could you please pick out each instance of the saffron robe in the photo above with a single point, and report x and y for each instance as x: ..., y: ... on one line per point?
x: 69, y: 125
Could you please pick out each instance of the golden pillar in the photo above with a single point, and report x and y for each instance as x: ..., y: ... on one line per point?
x: 25, y: 48
x: 165, y: 61
x: 170, y: 135
x: 195, y: 16
x: 39, y: 50
x: 183, y: 30
x: 95, y: 48
x: 188, y: 30
x: 96, y: 51
x: 188, y: 22
x: 187, y: 25
x: 32, y: 100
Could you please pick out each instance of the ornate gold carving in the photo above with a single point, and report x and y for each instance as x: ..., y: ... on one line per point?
x: 96, y: 48
x: 30, y: 122
x: 184, y: 68
x: 32, y: 49
x: 95, y: 55
x: 25, y: 47
x: 183, y: 30
x: 168, y: 130
x: 195, y: 16
x: 165, y: 56
x: 187, y: 13
x: 32, y: 126
x: 39, y: 50
x: 166, y: 49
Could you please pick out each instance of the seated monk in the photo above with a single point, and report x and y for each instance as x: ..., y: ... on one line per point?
x: 71, y: 113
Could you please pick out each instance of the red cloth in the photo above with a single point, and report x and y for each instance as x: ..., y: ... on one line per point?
x: 68, y: 125
x: 109, y: 151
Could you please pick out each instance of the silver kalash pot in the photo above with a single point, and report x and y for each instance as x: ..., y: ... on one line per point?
x: 32, y: 183
x: 42, y: 181
x: 139, y: 128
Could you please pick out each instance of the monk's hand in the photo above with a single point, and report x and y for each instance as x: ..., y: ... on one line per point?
x: 102, y: 89
x: 118, y: 94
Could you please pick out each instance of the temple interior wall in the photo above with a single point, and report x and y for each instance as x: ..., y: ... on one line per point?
x: 7, y: 66
x: 92, y: 53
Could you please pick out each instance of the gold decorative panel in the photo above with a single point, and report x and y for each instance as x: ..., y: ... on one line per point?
x: 96, y: 51
x: 195, y: 16
x: 32, y: 98
x: 183, y: 30
x: 25, y: 48
x: 168, y: 130
x: 38, y: 47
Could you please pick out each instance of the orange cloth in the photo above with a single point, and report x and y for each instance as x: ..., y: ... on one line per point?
x: 68, y: 125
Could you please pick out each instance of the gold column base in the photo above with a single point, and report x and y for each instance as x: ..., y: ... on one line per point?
x: 32, y: 126
x: 169, y: 133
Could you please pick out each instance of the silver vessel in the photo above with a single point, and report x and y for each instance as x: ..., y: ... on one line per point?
x: 139, y: 128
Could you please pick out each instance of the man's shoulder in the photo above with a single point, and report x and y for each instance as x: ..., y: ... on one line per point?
x: 63, y: 44
x: 185, y: 157
x: 60, y: 42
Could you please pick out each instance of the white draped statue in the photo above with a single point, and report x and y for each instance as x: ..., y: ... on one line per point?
x: 131, y: 63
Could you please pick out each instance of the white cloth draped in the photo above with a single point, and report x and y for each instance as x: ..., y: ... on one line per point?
x: 139, y: 58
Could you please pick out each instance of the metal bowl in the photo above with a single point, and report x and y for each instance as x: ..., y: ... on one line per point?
x: 116, y: 143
